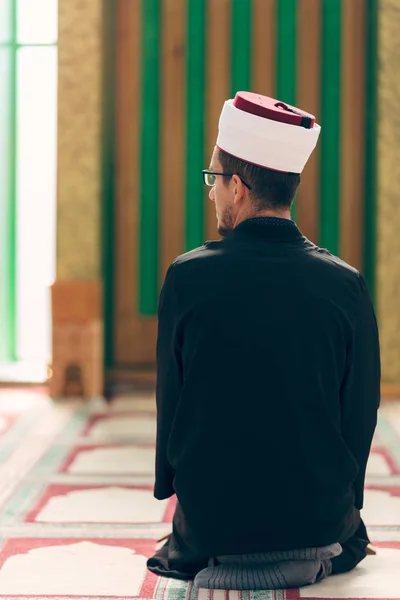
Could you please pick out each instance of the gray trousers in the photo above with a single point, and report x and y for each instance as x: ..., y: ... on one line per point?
x: 270, y: 570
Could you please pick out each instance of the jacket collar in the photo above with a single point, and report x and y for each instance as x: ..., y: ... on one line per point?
x: 269, y: 228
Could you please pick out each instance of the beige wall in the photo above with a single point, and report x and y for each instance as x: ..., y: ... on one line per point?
x: 79, y: 147
x: 388, y: 269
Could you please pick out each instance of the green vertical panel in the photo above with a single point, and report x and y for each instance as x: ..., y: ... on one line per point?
x: 149, y: 173
x: 196, y: 21
x: 331, y: 123
x: 370, y: 232
x: 108, y: 175
x: 286, y: 62
x: 7, y: 180
x: 241, y: 46
x: 286, y: 39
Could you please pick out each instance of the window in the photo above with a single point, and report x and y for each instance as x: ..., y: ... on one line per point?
x: 28, y: 126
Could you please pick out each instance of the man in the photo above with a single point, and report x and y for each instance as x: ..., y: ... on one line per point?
x: 268, y: 376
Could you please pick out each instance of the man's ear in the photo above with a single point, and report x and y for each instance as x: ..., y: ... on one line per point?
x: 240, y: 189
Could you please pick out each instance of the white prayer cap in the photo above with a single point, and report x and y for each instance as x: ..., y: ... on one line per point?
x: 267, y: 133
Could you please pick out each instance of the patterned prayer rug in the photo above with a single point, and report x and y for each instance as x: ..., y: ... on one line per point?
x: 78, y: 518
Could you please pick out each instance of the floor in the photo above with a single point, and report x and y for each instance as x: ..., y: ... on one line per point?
x: 77, y: 516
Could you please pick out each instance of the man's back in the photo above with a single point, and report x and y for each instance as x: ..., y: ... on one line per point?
x: 268, y: 387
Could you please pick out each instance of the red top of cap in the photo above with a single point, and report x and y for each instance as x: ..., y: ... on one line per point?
x: 268, y: 108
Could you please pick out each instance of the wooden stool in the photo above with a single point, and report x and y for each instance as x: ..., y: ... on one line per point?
x: 77, y: 365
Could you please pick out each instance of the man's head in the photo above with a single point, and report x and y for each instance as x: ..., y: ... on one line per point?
x: 246, y: 190
x: 262, y: 147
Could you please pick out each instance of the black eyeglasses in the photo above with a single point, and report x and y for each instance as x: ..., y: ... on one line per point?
x: 210, y: 178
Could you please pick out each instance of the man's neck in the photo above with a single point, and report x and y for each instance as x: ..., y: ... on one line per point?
x: 264, y: 213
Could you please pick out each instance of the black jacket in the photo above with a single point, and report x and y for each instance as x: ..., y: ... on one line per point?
x: 267, y: 392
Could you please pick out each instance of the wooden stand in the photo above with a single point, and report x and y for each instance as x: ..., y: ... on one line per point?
x: 77, y: 367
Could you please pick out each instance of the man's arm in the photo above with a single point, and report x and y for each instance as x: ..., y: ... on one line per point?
x: 169, y: 382
x: 360, y: 396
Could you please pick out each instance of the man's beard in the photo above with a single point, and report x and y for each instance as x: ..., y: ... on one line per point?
x: 226, y: 222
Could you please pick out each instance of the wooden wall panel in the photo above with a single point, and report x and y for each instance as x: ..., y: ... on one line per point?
x: 173, y: 108
x: 127, y: 166
x: 218, y: 85
x: 263, y: 50
x: 308, y: 98
x: 134, y: 337
x: 127, y: 154
x: 178, y: 61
